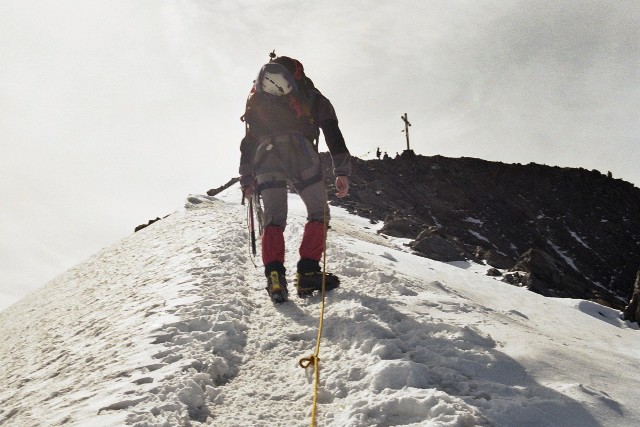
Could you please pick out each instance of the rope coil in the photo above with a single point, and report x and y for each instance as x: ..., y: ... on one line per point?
x: 306, y: 362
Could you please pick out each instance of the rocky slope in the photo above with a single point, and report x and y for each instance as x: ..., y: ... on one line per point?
x: 562, y: 232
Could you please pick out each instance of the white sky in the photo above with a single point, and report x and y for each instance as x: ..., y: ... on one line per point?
x: 112, y: 112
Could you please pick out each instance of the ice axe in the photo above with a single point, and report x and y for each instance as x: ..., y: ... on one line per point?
x: 252, y: 228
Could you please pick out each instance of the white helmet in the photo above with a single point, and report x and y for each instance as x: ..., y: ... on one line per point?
x: 275, y: 79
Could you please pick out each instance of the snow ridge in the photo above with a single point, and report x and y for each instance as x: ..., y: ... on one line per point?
x: 172, y: 326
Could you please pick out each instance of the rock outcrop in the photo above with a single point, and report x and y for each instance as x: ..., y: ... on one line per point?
x: 573, y: 232
x: 632, y: 311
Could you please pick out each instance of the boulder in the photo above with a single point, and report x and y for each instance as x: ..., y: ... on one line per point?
x: 632, y: 311
x: 540, y: 264
x: 402, y: 227
x: 438, y: 248
x: 494, y: 272
x: 515, y: 279
x: 494, y: 259
x: 547, y: 276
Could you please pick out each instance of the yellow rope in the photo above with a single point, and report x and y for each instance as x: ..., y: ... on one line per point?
x: 314, y: 360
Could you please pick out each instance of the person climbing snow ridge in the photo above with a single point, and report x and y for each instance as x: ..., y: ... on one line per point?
x: 283, y: 116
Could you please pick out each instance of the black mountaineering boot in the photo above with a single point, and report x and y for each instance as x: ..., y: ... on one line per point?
x: 309, y: 278
x: 276, y: 282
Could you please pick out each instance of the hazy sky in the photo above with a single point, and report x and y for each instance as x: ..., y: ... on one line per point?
x: 113, y: 111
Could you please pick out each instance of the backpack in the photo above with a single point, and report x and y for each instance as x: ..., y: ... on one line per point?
x: 282, y: 100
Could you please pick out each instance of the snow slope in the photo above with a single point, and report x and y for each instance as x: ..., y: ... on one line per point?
x: 172, y: 326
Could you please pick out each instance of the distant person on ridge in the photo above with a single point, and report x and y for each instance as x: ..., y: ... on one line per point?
x: 284, y: 114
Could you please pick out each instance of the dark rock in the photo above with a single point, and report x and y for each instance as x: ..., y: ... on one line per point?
x: 193, y: 200
x: 437, y: 248
x: 431, y: 231
x: 540, y: 264
x: 494, y: 259
x: 515, y: 279
x: 494, y: 272
x: 403, y: 227
x: 588, y: 221
x: 549, y: 277
x: 141, y: 226
x: 632, y: 311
